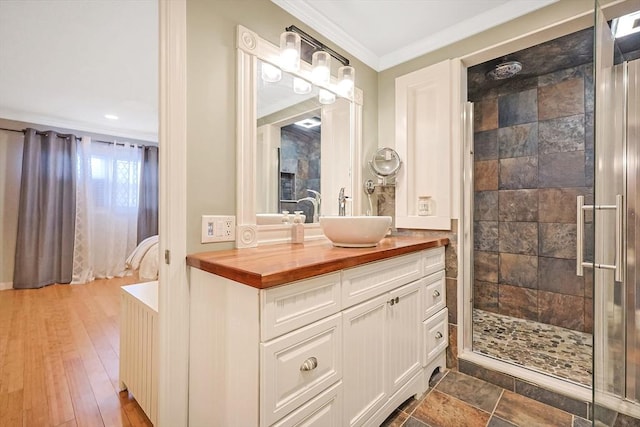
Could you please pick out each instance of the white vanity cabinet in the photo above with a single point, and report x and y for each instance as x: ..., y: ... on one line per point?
x: 343, y: 348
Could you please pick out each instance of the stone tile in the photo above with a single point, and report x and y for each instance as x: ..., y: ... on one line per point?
x: 519, y: 270
x: 559, y: 204
x: 561, y: 75
x: 485, y: 145
x: 485, y: 236
x: 623, y: 420
x: 551, y: 398
x: 439, y: 409
x: 561, y: 169
x: 517, y: 85
x: 559, y: 275
x: 451, y: 258
x: 499, y: 422
x: 485, y: 266
x: 588, y: 87
x: 523, y: 411
x: 498, y: 378
x: 386, y: 196
x: 409, y: 405
x: 518, y: 172
x: 561, y: 99
x: 473, y: 391
x: 485, y: 175
x: 557, y: 240
x: 518, y: 205
x: 518, y: 302
x: 588, y: 315
x: 485, y: 115
x: 452, y: 299
x: 519, y: 237
x: 485, y: 296
x: 581, y: 422
x: 452, y: 350
x: 396, y: 419
x: 561, y: 135
x: 518, y: 141
x: 566, y: 311
x: 414, y: 422
x: 604, y: 416
x: 517, y: 108
x: 485, y: 206
x: 588, y: 283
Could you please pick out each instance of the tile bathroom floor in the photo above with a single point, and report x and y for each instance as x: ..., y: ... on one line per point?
x: 458, y: 400
x: 546, y: 348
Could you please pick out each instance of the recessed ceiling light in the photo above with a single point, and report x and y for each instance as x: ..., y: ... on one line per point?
x: 627, y: 24
x: 111, y: 117
x: 308, y: 123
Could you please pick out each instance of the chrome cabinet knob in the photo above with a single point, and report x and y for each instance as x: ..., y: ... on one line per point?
x: 438, y: 335
x: 436, y: 293
x: 393, y: 301
x: 309, y: 365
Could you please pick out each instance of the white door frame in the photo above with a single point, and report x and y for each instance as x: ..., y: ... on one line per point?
x: 173, y: 290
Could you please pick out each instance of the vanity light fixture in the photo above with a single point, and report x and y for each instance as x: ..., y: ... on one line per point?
x: 321, y: 71
x: 270, y: 73
x: 321, y: 63
x: 346, y: 80
x: 290, y: 51
x: 326, y: 97
x: 301, y: 86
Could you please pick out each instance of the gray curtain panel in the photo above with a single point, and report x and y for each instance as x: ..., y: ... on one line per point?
x: 148, y: 199
x: 47, y: 210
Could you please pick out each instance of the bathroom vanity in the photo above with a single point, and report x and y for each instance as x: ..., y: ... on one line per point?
x: 314, y: 335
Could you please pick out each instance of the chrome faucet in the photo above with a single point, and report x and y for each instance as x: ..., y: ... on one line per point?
x: 318, y: 207
x: 342, y: 203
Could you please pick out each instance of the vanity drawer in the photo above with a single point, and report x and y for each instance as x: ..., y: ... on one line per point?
x: 433, y: 260
x: 434, y: 295
x: 285, y: 308
x: 298, y: 366
x: 370, y: 280
x: 322, y: 411
x: 436, y: 336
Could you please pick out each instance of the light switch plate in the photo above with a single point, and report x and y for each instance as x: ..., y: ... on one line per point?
x: 218, y: 228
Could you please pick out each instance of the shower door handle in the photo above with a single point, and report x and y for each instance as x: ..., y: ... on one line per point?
x: 580, y: 263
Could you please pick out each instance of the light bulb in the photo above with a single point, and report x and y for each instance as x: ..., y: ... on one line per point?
x: 290, y: 51
x: 326, y: 97
x: 321, y: 72
x: 270, y: 74
x: 301, y: 86
x: 346, y: 80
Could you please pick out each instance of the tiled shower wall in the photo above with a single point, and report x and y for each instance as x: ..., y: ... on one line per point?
x: 533, y: 154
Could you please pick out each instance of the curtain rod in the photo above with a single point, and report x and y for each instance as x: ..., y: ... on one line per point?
x: 67, y: 135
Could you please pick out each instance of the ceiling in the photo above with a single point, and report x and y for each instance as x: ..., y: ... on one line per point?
x: 68, y: 63
x: 384, y: 33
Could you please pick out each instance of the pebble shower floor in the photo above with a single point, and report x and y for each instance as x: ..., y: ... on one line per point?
x: 549, y: 349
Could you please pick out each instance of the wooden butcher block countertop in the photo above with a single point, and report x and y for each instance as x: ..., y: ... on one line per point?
x: 273, y: 265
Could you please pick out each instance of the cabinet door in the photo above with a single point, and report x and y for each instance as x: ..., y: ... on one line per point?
x: 404, y: 322
x: 364, y: 342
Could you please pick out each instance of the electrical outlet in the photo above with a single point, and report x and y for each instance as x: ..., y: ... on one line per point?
x: 218, y: 228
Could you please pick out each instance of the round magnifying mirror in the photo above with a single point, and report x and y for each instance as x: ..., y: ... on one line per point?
x: 385, y: 164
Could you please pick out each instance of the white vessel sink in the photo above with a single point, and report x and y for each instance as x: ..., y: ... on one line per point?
x: 355, y: 231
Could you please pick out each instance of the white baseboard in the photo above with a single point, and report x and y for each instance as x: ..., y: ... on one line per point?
x: 6, y: 285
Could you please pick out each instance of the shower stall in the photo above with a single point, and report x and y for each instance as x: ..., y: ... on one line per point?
x: 554, y: 151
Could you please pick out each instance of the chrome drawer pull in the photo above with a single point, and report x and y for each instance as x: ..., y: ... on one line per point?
x: 436, y: 293
x: 438, y: 335
x: 309, y: 365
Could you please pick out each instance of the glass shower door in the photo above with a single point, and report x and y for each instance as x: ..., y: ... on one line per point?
x: 615, y: 382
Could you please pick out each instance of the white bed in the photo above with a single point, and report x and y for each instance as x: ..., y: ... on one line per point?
x: 145, y: 258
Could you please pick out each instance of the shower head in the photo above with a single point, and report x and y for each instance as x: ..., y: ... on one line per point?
x: 505, y: 70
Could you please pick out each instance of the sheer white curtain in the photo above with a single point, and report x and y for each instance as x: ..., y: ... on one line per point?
x: 107, y: 211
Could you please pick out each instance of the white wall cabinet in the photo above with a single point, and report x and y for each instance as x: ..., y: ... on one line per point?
x: 340, y: 349
x: 427, y: 133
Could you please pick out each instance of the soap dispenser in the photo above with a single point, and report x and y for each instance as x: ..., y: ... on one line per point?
x: 297, y: 229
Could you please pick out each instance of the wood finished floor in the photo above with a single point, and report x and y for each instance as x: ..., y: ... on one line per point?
x: 59, y: 349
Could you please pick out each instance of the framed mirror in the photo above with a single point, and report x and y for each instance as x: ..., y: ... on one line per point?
x: 293, y: 152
